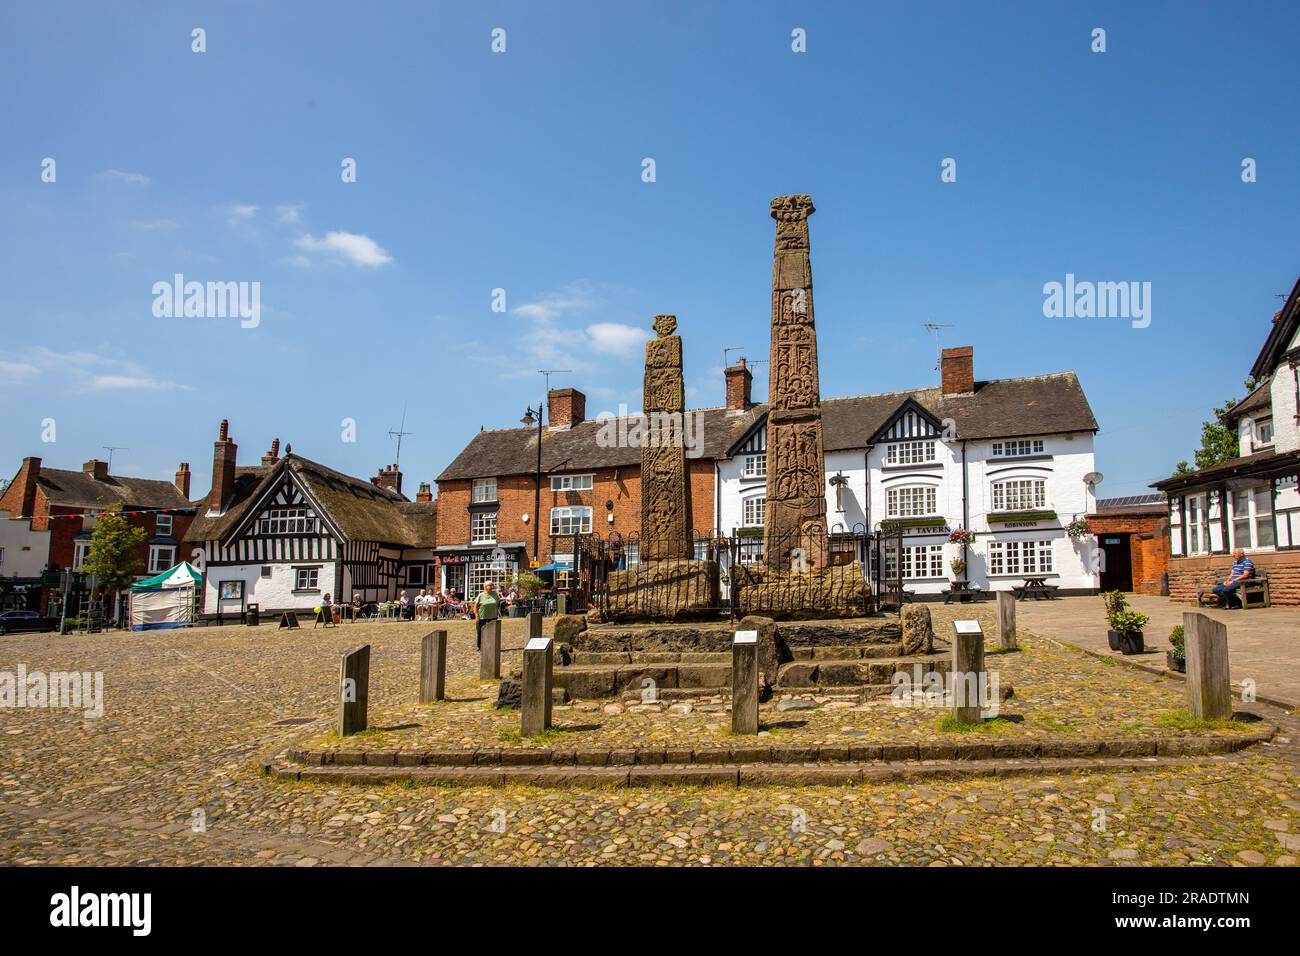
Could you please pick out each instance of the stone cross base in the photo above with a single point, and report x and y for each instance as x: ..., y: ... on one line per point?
x: 832, y: 592
x: 677, y: 590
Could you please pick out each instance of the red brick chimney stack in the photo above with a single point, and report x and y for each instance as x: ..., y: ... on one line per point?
x: 425, y: 493
x: 740, y: 382
x: 272, y: 456
x: 183, y: 480
x: 95, y: 469
x: 223, y: 470
x: 957, y: 366
x: 566, y: 407
x: 26, y: 480
x: 389, y: 477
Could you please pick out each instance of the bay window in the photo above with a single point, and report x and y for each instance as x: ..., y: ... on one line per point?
x: 1020, y: 494
x: 1252, y: 518
x: 1021, y: 557
x: 911, y: 501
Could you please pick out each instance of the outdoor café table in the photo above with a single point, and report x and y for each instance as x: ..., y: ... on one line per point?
x: 1035, y: 587
x: 962, y: 591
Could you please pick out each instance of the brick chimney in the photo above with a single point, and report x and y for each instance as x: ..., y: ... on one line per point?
x: 95, y: 469
x: 389, y: 477
x: 958, y: 369
x: 272, y: 456
x: 566, y: 407
x: 183, y: 480
x: 425, y: 493
x: 740, y: 382
x: 223, y: 470
x: 26, y: 480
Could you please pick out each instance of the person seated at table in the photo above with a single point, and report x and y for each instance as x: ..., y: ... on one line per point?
x: 438, y: 604
x: 326, y: 614
x: 422, y: 605
x: 404, y: 607
x: 1243, y: 569
x: 356, y: 607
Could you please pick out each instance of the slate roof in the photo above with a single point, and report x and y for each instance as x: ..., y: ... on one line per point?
x: 1001, y: 408
x: 1258, y: 400
x: 1286, y: 322
x: 361, y: 510
x: 76, y: 488
x: 1259, y: 465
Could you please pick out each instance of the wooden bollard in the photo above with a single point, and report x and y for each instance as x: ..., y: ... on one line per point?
x: 433, y: 667
x: 1209, y: 684
x: 744, y: 683
x: 1007, y: 620
x: 354, y: 690
x: 489, y: 651
x: 534, y: 624
x: 535, y: 697
x: 967, y: 671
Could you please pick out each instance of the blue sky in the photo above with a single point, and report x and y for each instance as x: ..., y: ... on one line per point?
x: 522, y: 171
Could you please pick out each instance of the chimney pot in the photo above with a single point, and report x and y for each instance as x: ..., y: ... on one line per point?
x: 740, y: 382
x: 183, y: 480
x: 223, y: 470
x: 425, y: 493
x: 95, y: 469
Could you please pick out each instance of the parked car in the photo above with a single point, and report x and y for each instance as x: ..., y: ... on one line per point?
x: 12, y: 622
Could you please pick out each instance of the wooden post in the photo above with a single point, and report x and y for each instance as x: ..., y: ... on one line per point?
x: 561, y: 604
x: 744, y: 683
x: 534, y: 624
x: 433, y: 667
x: 967, y: 674
x: 1209, y: 685
x: 1007, y: 620
x: 535, y: 698
x: 354, y: 690
x: 489, y: 655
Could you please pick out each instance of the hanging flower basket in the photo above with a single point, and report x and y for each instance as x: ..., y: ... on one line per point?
x: 958, y: 566
x: 961, y: 536
x: 1078, y: 528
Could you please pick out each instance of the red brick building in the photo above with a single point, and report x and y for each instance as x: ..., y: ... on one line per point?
x: 65, y: 502
x: 1133, y: 533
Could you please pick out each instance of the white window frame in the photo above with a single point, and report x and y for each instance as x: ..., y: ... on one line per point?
x: 1261, y: 433
x: 919, y: 562
x: 483, y: 490
x: 1018, y: 448
x: 1021, y: 558
x: 1020, y: 494
x: 563, y: 519
x: 295, y: 520
x: 753, y: 511
x: 162, y: 523
x: 755, y: 466
x: 1198, y: 525
x: 632, y: 554
x: 1253, y: 519
x: 306, y: 579
x: 912, y: 501
x: 80, y: 552
x: 921, y: 452
x: 483, y: 527
x: 157, y: 567
x: 572, y: 482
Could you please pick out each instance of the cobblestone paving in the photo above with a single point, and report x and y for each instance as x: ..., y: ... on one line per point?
x: 187, y: 713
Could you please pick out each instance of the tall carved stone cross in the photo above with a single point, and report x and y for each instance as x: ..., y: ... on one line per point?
x: 795, y: 520
x: 665, y: 500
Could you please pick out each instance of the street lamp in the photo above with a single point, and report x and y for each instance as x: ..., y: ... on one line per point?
x: 531, y: 417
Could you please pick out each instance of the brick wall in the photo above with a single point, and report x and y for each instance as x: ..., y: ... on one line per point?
x: 1148, y: 545
x: 1282, y: 568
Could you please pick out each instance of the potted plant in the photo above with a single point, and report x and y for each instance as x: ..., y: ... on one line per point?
x: 961, y: 536
x: 1177, y: 658
x: 1125, y: 634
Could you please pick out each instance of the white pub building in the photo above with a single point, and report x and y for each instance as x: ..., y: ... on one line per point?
x: 1009, y: 460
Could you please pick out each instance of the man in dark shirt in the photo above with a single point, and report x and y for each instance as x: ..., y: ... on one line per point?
x: 1242, y: 570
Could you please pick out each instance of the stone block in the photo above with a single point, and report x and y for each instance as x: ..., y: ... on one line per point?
x: 672, y: 590
x: 918, y: 630
x: 835, y: 592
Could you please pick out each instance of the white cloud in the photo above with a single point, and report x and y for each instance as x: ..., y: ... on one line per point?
x: 240, y: 212
x: 575, y: 297
x: 358, y: 249
x: 288, y: 213
x: 616, y: 338
x: 118, y: 176
x: 84, y: 371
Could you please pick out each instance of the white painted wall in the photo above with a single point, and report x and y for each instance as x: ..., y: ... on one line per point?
x: 26, y: 552
x: 275, y: 593
x: 1286, y: 429
x: 1065, y: 460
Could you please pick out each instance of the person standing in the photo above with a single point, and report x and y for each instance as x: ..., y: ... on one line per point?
x: 486, y: 607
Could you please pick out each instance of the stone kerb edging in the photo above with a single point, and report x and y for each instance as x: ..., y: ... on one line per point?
x: 1045, y: 749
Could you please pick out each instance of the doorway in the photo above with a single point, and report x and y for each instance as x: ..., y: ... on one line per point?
x: 1117, y: 571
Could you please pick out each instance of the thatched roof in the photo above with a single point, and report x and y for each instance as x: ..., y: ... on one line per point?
x: 361, y: 510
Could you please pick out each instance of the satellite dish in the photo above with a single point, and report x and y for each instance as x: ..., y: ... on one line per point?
x: 1092, y: 478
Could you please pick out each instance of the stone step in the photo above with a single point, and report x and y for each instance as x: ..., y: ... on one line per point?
x: 610, y: 680
x: 849, y: 673
x: 847, y: 652
x: 597, y: 658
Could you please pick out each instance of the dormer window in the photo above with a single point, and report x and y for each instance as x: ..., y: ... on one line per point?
x: 910, y: 453
x: 1019, y: 448
x: 1263, y: 434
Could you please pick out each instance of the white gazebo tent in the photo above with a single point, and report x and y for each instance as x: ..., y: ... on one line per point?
x: 165, y: 600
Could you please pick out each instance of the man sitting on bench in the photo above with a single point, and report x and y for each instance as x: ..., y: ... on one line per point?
x: 1242, y: 569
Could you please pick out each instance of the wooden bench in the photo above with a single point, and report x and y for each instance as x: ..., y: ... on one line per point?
x: 1253, y: 591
